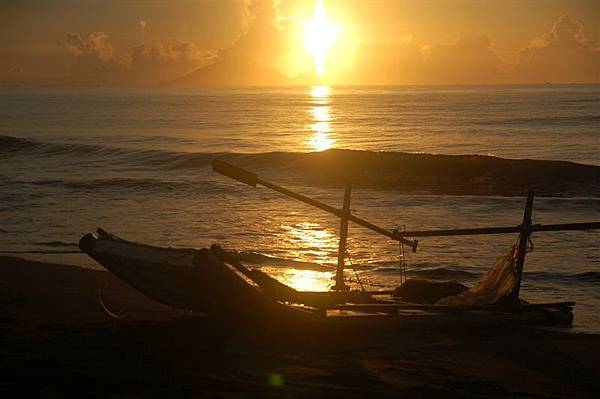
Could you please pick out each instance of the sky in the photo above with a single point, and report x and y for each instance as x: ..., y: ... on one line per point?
x: 157, y: 42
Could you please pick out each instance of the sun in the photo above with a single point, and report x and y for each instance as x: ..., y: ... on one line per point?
x: 319, y: 35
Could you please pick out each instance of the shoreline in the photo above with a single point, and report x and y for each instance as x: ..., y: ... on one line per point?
x: 57, y: 340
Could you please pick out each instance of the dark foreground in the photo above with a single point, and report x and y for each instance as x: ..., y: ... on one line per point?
x: 56, y: 341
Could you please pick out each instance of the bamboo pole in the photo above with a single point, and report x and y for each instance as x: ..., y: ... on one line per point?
x: 523, y: 240
x: 339, y: 275
x: 565, y: 226
x: 497, y: 230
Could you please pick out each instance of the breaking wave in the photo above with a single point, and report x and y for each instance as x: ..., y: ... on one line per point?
x: 413, y: 172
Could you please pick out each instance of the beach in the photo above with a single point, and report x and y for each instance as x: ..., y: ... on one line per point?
x: 58, y: 340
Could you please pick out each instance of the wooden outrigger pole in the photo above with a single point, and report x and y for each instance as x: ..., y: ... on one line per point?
x: 252, y: 179
x: 344, y: 214
x: 525, y: 229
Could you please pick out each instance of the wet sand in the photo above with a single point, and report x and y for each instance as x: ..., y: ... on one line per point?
x: 56, y: 340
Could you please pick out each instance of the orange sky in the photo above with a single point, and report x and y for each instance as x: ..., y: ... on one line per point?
x: 152, y: 42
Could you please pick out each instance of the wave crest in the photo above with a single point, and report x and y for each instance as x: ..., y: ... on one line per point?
x: 398, y: 171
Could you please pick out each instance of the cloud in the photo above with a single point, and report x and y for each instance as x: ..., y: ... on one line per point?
x: 264, y: 38
x: 162, y: 62
x: 469, y: 60
x: 95, y: 45
x: 96, y: 60
x: 562, y: 55
x: 377, y: 64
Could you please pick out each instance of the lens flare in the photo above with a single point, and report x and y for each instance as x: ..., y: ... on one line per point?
x: 319, y: 35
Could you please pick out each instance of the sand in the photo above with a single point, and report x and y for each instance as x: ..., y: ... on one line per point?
x: 56, y: 340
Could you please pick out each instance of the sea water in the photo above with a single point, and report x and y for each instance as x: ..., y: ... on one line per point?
x: 136, y: 162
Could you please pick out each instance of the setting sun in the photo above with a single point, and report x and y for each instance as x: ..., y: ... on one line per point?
x: 319, y: 35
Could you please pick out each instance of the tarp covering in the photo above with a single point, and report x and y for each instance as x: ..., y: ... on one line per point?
x: 493, y: 285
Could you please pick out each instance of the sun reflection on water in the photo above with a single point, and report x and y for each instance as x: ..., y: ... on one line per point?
x: 320, y: 91
x: 308, y: 280
x: 320, y: 114
x: 311, y: 242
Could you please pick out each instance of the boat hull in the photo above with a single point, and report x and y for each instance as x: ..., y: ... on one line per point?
x: 188, y: 279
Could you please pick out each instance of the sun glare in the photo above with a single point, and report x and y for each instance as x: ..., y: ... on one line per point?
x: 319, y: 35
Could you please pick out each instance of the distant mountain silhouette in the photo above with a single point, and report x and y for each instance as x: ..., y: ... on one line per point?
x: 307, y: 78
x: 232, y: 71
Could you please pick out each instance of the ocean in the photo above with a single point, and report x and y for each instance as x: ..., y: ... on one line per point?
x: 136, y: 162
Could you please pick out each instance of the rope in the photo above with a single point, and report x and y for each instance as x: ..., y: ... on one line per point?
x: 530, y: 246
x: 367, y: 282
x: 402, y: 259
x: 362, y: 287
x: 113, y: 315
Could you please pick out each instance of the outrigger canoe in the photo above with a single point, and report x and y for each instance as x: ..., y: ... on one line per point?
x: 211, y: 281
x: 214, y: 282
